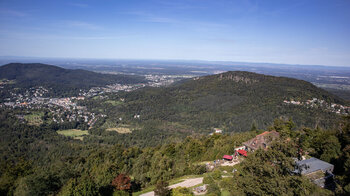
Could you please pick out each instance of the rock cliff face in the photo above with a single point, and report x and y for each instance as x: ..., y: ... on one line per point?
x: 236, y: 78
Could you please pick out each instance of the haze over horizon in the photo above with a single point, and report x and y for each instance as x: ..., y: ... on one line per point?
x: 289, y: 32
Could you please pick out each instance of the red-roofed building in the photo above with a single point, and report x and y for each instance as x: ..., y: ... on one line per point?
x: 227, y: 157
x: 242, y: 152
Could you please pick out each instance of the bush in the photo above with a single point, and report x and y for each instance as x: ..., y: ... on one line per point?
x: 208, y: 179
x: 213, y: 189
x: 120, y: 193
x: 181, y: 191
x: 216, y: 175
x: 162, y: 188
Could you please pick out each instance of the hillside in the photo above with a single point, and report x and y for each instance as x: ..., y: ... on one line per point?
x: 233, y: 101
x: 45, y: 160
x: 60, y: 79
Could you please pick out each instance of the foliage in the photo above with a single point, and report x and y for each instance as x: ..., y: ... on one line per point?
x: 213, y: 189
x: 268, y: 173
x: 36, y: 160
x: 208, y: 179
x: 181, y: 191
x: 120, y: 193
x: 162, y: 188
x: 343, y: 163
x: 85, y: 187
x: 122, y: 182
x: 216, y: 175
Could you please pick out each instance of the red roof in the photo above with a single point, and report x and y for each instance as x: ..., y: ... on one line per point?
x: 227, y: 157
x: 242, y: 152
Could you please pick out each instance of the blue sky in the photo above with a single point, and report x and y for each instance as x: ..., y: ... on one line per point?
x: 277, y: 31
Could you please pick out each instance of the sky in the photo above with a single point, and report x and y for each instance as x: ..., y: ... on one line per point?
x: 311, y: 32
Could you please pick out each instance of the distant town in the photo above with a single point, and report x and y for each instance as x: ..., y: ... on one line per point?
x: 67, y: 109
x: 319, y: 103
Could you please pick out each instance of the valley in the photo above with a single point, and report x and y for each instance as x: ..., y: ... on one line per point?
x: 162, y: 129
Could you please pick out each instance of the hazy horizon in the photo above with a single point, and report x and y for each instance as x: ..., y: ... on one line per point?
x: 17, y: 59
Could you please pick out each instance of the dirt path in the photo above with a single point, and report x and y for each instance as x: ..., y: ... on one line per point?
x: 187, y: 183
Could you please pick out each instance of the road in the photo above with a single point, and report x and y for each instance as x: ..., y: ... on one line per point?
x: 186, y: 183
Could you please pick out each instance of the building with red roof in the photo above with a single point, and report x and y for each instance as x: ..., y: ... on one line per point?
x: 227, y: 157
x: 242, y: 152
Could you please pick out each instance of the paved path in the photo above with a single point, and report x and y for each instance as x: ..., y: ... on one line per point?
x: 187, y: 183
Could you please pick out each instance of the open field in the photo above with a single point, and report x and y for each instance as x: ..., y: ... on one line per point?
x: 74, y: 133
x: 121, y: 130
x: 225, y: 193
x: 113, y: 102
x: 34, y: 118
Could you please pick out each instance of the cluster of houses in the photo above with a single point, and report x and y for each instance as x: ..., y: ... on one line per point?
x: 318, y: 171
x: 61, y: 109
x: 332, y: 107
x: 113, y: 88
x: 153, y: 80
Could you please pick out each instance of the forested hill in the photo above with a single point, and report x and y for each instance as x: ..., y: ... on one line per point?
x: 35, y: 74
x: 234, y: 101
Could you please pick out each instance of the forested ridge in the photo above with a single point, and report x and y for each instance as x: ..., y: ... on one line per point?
x: 232, y: 101
x: 60, y: 80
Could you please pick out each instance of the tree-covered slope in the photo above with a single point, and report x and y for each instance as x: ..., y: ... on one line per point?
x: 232, y: 101
x: 35, y: 74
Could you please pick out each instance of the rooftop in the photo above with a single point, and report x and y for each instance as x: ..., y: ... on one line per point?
x: 313, y: 164
x: 262, y: 140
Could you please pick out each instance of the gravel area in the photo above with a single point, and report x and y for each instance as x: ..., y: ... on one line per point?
x: 187, y: 183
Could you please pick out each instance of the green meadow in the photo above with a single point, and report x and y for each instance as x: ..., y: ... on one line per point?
x: 74, y: 133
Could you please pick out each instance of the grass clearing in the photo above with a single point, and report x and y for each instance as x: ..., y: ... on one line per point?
x: 121, y: 130
x: 96, y: 98
x: 113, y: 102
x: 225, y: 193
x: 74, y: 133
x: 81, y: 138
x: 34, y: 118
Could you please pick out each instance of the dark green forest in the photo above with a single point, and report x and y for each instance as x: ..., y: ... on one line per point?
x: 62, y: 82
x: 37, y: 161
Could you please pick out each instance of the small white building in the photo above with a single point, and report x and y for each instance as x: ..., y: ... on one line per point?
x: 218, y: 130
